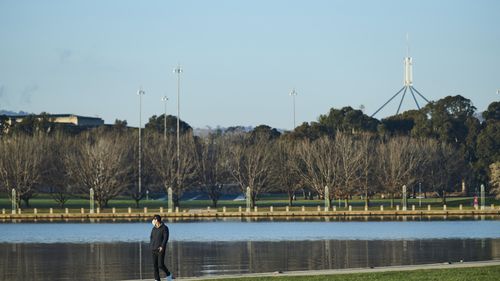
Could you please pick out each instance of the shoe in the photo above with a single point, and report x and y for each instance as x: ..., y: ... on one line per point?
x: 170, y: 277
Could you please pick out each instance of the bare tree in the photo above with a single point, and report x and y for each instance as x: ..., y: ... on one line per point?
x: 397, y: 163
x: 317, y: 165
x: 55, y: 174
x: 249, y: 160
x: 367, y: 171
x: 161, y: 154
x: 350, y: 160
x: 21, y: 164
x: 98, y: 161
x: 211, y: 169
x: 132, y: 177
x: 284, y: 161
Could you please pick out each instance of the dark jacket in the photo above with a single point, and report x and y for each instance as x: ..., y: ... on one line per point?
x: 159, y: 237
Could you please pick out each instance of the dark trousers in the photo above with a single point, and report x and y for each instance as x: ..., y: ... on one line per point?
x: 159, y: 263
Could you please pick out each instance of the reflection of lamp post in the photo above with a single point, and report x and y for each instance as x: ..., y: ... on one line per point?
x: 140, y: 93
x: 178, y: 71
x: 293, y: 93
x: 165, y: 99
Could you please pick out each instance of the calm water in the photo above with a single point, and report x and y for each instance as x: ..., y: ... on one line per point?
x: 238, y: 230
x: 117, y: 251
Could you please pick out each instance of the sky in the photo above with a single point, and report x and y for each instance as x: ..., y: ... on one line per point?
x: 241, y: 59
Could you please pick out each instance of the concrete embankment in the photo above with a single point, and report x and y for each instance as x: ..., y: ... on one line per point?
x: 193, y: 214
x: 350, y: 270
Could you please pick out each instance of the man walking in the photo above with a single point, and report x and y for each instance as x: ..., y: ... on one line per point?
x: 158, y: 244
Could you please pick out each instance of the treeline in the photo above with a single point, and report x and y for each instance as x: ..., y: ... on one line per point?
x: 437, y: 148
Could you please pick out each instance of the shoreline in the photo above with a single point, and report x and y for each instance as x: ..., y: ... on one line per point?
x: 306, y: 273
x: 193, y: 214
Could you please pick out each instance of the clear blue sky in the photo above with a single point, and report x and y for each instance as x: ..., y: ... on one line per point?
x: 241, y: 58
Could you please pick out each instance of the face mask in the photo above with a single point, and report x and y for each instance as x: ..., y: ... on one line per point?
x: 153, y: 222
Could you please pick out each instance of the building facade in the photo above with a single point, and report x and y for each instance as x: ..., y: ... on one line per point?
x: 69, y: 119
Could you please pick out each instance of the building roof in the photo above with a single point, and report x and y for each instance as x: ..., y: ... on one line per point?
x: 54, y: 116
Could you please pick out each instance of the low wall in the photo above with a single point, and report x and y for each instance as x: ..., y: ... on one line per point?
x: 147, y: 213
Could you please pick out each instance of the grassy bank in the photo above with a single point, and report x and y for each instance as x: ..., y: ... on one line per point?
x: 44, y: 201
x: 475, y: 273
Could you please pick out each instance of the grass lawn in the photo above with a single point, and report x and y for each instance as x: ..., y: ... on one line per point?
x: 278, y: 201
x: 466, y: 274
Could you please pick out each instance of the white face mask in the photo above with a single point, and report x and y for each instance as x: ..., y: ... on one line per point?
x: 153, y: 222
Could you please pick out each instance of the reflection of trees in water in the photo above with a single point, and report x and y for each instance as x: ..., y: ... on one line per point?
x: 68, y: 261
x: 255, y: 256
x: 119, y: 261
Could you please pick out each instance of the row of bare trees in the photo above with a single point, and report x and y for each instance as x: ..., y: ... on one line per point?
x: 349, y: 164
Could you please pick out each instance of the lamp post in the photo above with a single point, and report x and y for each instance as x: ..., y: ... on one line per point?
x: 165, y: 99
x: 178, y: 71
x: 420, y: 194
x: 293, y: 93
x: 140, y: 93
x: 14, y: 201
x: 92, y: 200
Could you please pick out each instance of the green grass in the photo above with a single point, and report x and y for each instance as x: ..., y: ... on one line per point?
x: 278, y: 201
x: 457, y: 274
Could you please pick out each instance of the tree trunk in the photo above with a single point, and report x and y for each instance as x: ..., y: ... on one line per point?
x: 290, y: 199
x: 137, y: 198
x: 367, y: 201
x: 176, y: 200
x: 444, y: 197
x: 26, y: 202
x: 214, y: 202
x: 18, y: 202
x: 101, y: 203
x: 392, y: 200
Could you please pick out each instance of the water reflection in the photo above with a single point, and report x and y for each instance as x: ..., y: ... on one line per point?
x: 118, y: 261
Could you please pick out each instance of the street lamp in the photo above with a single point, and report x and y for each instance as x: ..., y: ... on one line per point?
x: 140, y: 93
x: 178, y: 70
x: 165, y: 99
x: 293, y: 93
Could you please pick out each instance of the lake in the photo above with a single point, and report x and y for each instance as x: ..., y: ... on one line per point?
x: 119, y: 250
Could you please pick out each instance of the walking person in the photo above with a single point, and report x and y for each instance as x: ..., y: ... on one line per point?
x: 158, y: 244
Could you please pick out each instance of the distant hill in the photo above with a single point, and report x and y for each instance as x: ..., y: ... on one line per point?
x: 8, y: 112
